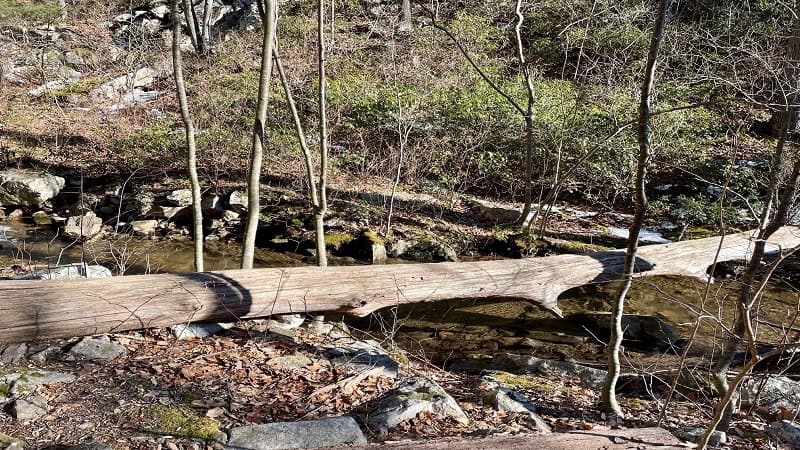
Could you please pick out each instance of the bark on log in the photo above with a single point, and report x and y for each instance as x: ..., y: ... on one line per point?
x: 33, y: 310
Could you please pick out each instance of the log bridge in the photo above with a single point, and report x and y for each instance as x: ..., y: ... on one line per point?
x: 32, y: 310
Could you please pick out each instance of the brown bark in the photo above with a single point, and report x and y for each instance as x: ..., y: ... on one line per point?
x: 50, y: 309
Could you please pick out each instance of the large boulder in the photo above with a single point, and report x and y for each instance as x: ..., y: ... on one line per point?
x: 68, y: 272
x: 83, y: 227
x: 28, y: 189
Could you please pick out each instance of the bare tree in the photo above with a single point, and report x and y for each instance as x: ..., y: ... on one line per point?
x: 406, y: 25
x: 321, y: 208
x: 191, y: 146
x: 199, y: 30
x: 257, y: 143
x: 608, y: 393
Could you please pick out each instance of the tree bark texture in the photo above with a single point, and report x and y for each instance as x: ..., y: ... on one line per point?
x: 50, y: 309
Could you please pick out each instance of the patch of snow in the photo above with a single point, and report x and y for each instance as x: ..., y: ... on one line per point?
x: 645, y: 236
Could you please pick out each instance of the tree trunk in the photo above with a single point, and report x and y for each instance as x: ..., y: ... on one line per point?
x: 191, y: 147
x: 322, y: 207
x: 608, y: 393
x: 257, y: 148
x: 50, y: 309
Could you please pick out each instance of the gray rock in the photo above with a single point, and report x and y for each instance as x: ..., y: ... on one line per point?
x: 230, y: 216
x: 237, y: 201
x: 14, y: 353
x: 144, y: 227
x: 787, y: 432
x: 776, y: 392
x: 212, y: 206
x: 29, y: 408
x: 693, y: 434
x: 641, y: 331
x: 358, y: 356
x: 290, y: 435
x: 118, y: 87
x: 645, y: 236
x: 180, y: 197
x: 26, y: 380
x: 82, y: 227
x: 291, y: 362
x: 68, y: 272
x: 131, y: 98
x: 431, y: 250
x: 197, y: 330
x: 286, y: 321
x: 28, y: 189
x: 505, y: 399
x: 495, y: 212
x: 91, y: 445
x: 413, y: 396
x: 529, y: 364
x: 367, y: 246
x: 97, y: 348
x: 173, y: 213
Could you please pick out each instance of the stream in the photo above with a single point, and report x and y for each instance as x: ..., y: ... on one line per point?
x: 450, y: 332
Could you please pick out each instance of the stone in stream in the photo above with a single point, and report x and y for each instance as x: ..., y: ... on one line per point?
x: 28, y: 189
x: 643, y: 332
x: 82, y: 227
x: 529, y: 364
x: 144, y: 227
x: 68, y: 272
x: 411, y: 397
x: 97, y: 348
x: 180, y: 197
x: 330, y: 432
x: 237, y: 201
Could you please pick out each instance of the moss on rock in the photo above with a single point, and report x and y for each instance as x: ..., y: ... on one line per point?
x: 179, y: 421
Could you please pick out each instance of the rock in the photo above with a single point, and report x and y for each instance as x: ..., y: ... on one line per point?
x: 42, y: 218
x: 54, y: 85
x: 505, y: 399
x: 14, y: 353
x: 429, y: 250
x: 180, y: 197
x: 82, y: 227
x: 358, y: 356
x: 11, y: 443
x: 291, y: 362
x: 776, y: 392
x: 413, y: 396
x: 495, y: 212
x: 530, y: 364
x: 131, y: 98
x: 68, y: 272
x: 367, y: 246
x: 693, y: 434
x: 286, y: 321
x: 642, y: 332
x: 198, y: 329
x: 24, y: 380
x: 237, y: 201
x: 230, y: 216
x: 787, y: 432
x: 97, y: 348
x: 28, y: 189
x: 328, y: 432
x: 212, y: 206
x: 29, y: 408
x: 177, y: 214
x: 144, y: 227
x: 118, y: 87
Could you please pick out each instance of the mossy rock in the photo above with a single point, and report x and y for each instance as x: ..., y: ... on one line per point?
x: 179, y: 421
x: 578, y: 247
x: 11, y: 442
x: 335, y: 241
x: 367, y: 246
x: 521, y: 382
x: 521, y: 245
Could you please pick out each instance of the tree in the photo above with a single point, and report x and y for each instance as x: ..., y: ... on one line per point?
x: 608, y: 393
x: 406, y: 25
x: 191, y: 147
x: 257, y: 142
x: 781, y: 198
x: 199, y: 31
x: 321, y: 207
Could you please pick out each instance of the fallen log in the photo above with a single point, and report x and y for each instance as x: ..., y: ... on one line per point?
x: 33, y: 310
